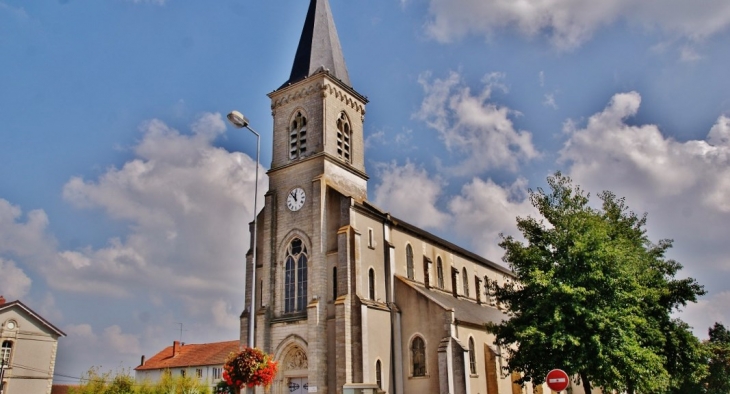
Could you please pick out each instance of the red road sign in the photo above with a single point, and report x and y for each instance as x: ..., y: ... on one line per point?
x: 557, y: 380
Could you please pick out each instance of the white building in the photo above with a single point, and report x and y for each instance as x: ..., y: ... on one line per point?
x: 201, y: 361
x: 28, y: 353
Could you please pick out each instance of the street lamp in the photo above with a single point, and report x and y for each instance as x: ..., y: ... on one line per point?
x: 239, y: 121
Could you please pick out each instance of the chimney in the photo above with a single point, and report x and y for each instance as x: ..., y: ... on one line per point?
x: 175, y: 348
x: 2, y: 300
x: 141, y: 363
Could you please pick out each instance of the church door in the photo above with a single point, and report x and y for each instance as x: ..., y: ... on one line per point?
x: 298, y: 386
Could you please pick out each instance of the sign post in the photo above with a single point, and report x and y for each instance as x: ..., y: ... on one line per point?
x: 557, y: 380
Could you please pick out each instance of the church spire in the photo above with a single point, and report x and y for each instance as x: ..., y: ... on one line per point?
x: 319, y: 46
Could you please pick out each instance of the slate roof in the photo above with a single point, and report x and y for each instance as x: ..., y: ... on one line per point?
x: 464, y: 311
x: 319, y: 46
x: 191, y: 355
x: 29, y: 311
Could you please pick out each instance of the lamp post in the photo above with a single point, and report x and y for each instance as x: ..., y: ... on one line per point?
x: 239, y: 121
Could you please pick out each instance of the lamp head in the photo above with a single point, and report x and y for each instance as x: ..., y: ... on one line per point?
x: 237, y: 119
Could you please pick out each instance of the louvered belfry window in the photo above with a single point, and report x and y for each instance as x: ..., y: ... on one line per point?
x: 298, y: 136
x: 343, y: 137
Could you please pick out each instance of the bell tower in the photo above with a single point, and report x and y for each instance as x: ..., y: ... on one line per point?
x: 305, y: 296
x: 317, y: 114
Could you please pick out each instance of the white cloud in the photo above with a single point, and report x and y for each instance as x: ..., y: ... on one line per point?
x: 411, y: 194
x: 569, y: 23
x: 550, y: 101
x: 14, y: 283
x: 188, y: 203
x: 24, y: 239
x: 121, y: 342
x: 684, y: 186
x: 706, y: 312
x: 468, y: 123
x: 223, y: 314
x: 484, y: 210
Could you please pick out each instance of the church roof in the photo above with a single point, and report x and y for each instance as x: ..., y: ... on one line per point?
x: 464, y: 311
x: 319, y: 46
x: 401, y: 224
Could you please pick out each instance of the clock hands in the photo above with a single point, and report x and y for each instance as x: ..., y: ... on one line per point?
x: 293, y: 193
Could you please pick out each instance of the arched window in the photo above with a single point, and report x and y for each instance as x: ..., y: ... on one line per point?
x: 295, y: 277
x: 465, y: 280
x: 379, y: 374
x: 440, y: 272
x: 343, y: 137
x: 418, y: 356
x: 371, y: 284
x: 298, y: 136
x: 5, y: 353
x: 472, y: 357
x: 409, y: 261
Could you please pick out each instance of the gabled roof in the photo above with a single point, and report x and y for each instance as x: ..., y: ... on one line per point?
x: 464, y: 311
x: 319, y: 46
x: 374, y: 211
x: 36, y: 316
x: 190, y: 355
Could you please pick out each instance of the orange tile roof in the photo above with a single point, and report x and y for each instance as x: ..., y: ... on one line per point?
x: 191, y: 355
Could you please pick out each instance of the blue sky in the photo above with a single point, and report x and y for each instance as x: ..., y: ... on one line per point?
x: 124, y: 196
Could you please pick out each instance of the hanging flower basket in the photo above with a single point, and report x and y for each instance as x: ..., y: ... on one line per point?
x: 249, y: 367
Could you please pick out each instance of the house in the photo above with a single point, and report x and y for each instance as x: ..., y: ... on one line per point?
x: 202, y: 361
x: 28, y: 352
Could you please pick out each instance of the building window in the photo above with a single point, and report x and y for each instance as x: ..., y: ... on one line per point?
x: 295, y: 277
x: 477, y: 286
x: 440, y: 272
x: 465, y: 279
x: 371, y: 238
x: 182, y: 372
x: 199, y: 373
x: 454, y: 282
x: 5, y: 353
x: 334, y: 283
x: 418, y: 356
x: 427, y: 271
x: 343, y: 137
x: 379, y: 374
x: 371, y: 284
x: 472, y: 357
x: 217, y: 373
x: 298, y: 136
x: 409, y: 261
x: 489, y: 291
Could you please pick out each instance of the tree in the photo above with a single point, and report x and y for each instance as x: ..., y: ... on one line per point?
x: 592, y: 294
x: 718, y: 380
x: 94, y: 382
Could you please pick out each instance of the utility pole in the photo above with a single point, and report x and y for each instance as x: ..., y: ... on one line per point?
x: 2, y: 373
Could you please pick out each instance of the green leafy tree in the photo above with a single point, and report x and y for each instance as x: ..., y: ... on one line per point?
x: 592, y: 295
x: 95, y: 382
x: 718, y: 346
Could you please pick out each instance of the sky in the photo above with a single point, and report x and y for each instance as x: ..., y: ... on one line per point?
x: 125, y: 196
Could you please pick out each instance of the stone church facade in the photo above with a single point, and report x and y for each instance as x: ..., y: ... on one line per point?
x: 350, y: 299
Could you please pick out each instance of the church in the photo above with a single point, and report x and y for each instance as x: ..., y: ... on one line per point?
x: 350, y: 299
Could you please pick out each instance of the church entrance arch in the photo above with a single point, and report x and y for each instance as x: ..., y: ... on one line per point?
x: 293, y: 376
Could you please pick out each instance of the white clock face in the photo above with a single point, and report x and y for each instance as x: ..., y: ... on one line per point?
x: 295, y: 199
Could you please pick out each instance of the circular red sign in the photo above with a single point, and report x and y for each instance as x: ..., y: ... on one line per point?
x: 557, y: 380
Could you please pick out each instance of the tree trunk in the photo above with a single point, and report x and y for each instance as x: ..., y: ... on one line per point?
x: 630, y: 387
x: 586, y: 382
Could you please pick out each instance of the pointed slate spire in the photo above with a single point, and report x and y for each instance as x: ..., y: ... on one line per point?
x: 319, y: 46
